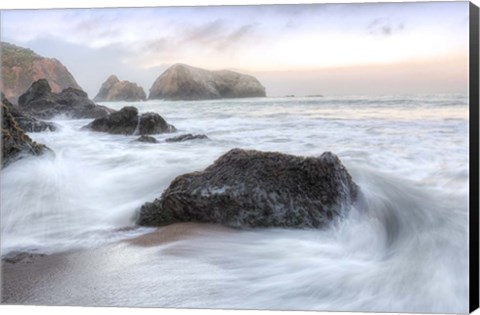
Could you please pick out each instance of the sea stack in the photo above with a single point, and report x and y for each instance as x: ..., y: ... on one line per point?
x: 184, y: 82
x: 114, y: 90
x: 21, y: 67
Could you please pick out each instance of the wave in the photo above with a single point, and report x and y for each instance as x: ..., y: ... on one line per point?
x: 401, y: 249
x: 404, y: 247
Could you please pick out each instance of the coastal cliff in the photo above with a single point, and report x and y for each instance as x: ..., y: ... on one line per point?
x: 21, y: 67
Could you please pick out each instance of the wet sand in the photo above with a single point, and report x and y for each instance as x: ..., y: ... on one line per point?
x: 145, y: 271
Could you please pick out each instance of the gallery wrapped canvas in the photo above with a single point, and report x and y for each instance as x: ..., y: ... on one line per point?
x: 312, y: 157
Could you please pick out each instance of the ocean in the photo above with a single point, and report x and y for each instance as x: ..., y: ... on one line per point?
x: 406, y: 250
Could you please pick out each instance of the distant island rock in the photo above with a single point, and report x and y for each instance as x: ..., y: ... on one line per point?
x: 184, y: 82
x: 113, y: 90
x: 247, y: 188
x: 127, y: 121
x: 39, y: 101
x: 21, y: 67
x: 15, y: 143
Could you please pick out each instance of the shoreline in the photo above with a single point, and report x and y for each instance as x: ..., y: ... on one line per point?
x: 91, y: 276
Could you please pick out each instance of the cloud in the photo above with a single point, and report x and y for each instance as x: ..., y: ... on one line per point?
x: 236, y: 36
x: 218, y: 34
x: 214, y: 38
x: 248, y: 37
x: 203, y: 33
x: 96, y: 27
x: 384, y: 27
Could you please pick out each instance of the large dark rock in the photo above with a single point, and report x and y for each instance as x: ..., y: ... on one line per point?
x: 15, y: 143
x: 126, y: 121
x: 26, y: 122
x: 183, y: 82
x: 186, y: 137
x: 39, y: 101
x: 246, y: 188
x: 115, y: 90
x: 21, y: 67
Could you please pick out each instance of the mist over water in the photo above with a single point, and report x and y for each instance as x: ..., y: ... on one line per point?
x: 404, y: 249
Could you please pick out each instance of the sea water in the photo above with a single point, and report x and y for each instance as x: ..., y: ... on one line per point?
x: 405, y: 250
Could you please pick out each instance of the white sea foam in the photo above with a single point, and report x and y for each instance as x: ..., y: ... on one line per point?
x: 404, y: 250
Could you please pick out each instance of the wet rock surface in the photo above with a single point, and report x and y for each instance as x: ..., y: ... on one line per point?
x: 27, y: 122
x: 126, y: 121
x: 40, y: 102
x: 186, y: 137
x: 146, y: 139
x: 15, y: 143
x: 246, y: 188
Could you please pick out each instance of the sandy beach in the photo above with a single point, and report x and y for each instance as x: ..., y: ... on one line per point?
x: 120, y: 274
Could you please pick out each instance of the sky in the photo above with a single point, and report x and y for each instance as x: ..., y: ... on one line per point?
x: 329, y: 49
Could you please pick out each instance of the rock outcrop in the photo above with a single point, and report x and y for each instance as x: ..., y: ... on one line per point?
x: 40, y: 102
x: 26, y: 122
x: 186, y: 137
x: 126, y: 121
x: 21, y: 67
x: 115, y: 90
x: 15, y: 143
x: 183, y: 82
x: 146, y: 139
x: 246, y: 188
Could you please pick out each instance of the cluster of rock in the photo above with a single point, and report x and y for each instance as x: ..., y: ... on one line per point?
x: 15, y: 143
x: 21, y: 67
x: 115, y: 90
x: 127, y: 121
x: 183, y: 82
x: 243, y: 188
x: 180, y: 138
x: 26, y: 121
x: 39, y: 101
x: 246, y: 188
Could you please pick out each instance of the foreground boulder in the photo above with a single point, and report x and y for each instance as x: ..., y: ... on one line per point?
x: 15, y: 143
x: 127, y: 122
x: 115, y: 90
x: 26, y: 122
x: 246, y: 188
x: 21, y: 67
x: 183, y: 82
x: 186, y: 137
x: 39, y: 101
